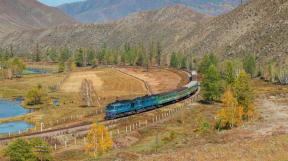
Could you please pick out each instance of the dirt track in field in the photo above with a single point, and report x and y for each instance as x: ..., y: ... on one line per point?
x: 159, y: 80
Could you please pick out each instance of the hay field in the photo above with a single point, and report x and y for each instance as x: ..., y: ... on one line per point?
x: 109, y: 84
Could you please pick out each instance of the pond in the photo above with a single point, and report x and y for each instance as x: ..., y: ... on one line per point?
x: 28, y: 71
x: 12, y: 109
x: 14, y: 127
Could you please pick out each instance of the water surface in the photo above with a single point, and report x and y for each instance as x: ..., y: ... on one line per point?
x: 11, y: 109
x: 14, y: 127
x: 28, y: 71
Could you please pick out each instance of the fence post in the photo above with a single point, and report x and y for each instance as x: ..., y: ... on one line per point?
x: 111, y: 134
x: 84, y: 140
x: 55, y: 147
x: 42, y: 124
x: 65, y: 144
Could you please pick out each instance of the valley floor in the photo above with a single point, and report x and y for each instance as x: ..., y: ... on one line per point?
x: 265, y: 138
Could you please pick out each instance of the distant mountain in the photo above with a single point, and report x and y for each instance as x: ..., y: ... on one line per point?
x: 91, y: 11
x: 167, y: 25
x: 29, y: 14
x: 258, y: 27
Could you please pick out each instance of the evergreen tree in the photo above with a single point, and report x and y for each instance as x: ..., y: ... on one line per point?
x: 52, y: 54
x: 211, y: 84
x: 243, y: 91
x: 91, y: 57
x: 159, y: 53
x: 207, y: 61
x: 229, y: 73
x: 151, y: 53
x: 174, y: 62
x: 41, y: 149
x: 37, y: 57
x: 183, y: 62
x: 79, y: 57
x: 19, y: 150
x: 250, y: 64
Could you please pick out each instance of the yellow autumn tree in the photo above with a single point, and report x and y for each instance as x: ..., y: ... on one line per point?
x: 98, y: 140
x: 231, y: 113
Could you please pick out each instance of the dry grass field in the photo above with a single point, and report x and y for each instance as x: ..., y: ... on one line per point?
x: 263, y: 139
x: 109, y: 83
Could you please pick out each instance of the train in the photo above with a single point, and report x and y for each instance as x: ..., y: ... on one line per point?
x: 146, y: 103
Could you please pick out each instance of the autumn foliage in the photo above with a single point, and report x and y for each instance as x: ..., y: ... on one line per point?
x: 231, y: 112
x: 99, y: 140
x: 238, y: 103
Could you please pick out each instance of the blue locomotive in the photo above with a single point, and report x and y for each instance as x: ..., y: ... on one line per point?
x: 146, y: 103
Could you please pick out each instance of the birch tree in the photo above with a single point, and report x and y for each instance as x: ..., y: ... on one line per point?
x: 88, y: 93
x: 99, y: 140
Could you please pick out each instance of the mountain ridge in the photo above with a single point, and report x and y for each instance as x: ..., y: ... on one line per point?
x: 258, y: 27
x: 91, y: 11
x: 166, y: 25
x: 18, y: 15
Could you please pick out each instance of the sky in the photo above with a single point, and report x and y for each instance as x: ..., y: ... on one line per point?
x: 57, y: 2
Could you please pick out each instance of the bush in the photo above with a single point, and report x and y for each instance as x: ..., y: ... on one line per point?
x: 33, y: 150
x: 35, y: 96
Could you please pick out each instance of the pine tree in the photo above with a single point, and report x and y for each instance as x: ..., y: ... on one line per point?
x: 99, y: 140
x: 211, y: 84
x: 19, y: 150
x: 174, y: 62
x: 244, y: 92
x: 250, y: 64
x: 229, y: 73
x: 159, y: 53
x: 37, y: 53
x: 207, y: 61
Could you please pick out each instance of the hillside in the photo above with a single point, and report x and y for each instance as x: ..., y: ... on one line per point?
x: 18, y: 15
x: 166, y: 25
x: 258, y: 27
x: 91, y: 11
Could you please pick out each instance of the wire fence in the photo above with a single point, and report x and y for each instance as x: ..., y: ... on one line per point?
x: 77, y: 136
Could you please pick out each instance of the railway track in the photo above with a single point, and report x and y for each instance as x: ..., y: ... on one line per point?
x: 82, y: 127
x: 71, y: 129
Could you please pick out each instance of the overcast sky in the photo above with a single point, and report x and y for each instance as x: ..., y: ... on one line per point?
x: 57, y: 2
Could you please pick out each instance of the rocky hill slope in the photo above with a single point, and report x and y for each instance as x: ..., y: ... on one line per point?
x: 166, y: 25
x: 91, y: 11
x: 18, y: 15
x: 259, y: 27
